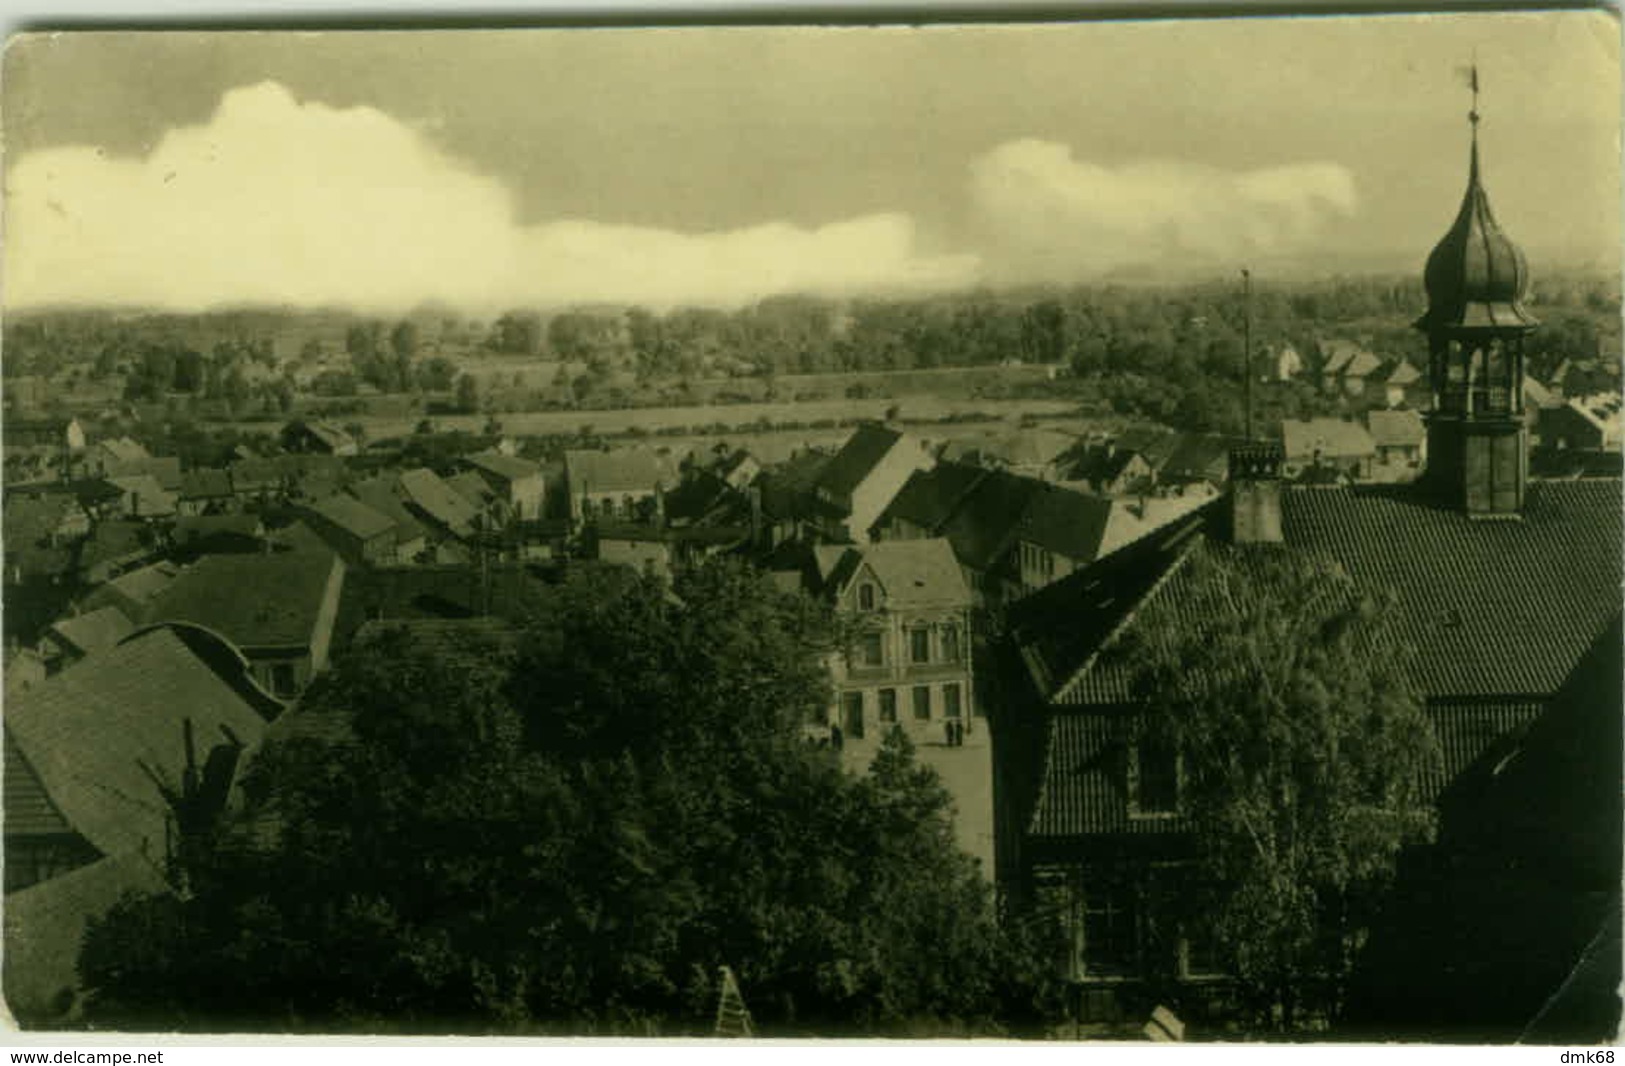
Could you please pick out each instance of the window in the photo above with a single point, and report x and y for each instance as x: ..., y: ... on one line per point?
x: 919, y: 645
x: 282, y: 679
x: 1156, y: 766
x: 950, y: 701
x: 888, y: 705
x: 950, y: 644
x: 922, y: 702
x: 872, y: 650
x: 866, y: 597
x: 852, y: 714
x: 1108, y: 930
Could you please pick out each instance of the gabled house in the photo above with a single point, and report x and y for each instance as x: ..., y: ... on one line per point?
x: 1404, y: 385
x: 284, y: 628
x: 142, y: 496
x: 1062, y: 530
x: 1195, y: 461
x: 117, y: 545
x: 908, y: 668
x: 431, y: 497
x: 384, y: 495
x: 132, y: 592
x: 1587, y: 424
x: 518, y: 483
x: 205, y: 490
x: 116, y: 455
x: 1327, y: 447
x: 1287, y: 363
x: 858, y: 482
x: 1346, y: 366
x: 359, y: 534
x: 620, y: 485
x: 1401, y: 442
x: 216, y: 534
x: 1111, y: 469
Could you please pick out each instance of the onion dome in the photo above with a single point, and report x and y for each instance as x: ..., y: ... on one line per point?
x: 1476, y: 277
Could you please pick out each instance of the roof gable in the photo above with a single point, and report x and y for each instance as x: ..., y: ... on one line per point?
x: 863, y: 451
x: 289, y: 589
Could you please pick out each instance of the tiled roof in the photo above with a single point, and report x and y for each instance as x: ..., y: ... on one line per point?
x: 352, y: 516
x: 1331, y: 437
x: 1338, y: 353
x: 132, y: 592
x: 97, y: 735
x: 116, y: 541
x: 862, y: 452
x: 1197, y: 457
x: 985, y: 525
x: 95, y: 630
x: 45, y: 924
x: 471, y: 487
x: 1100, y: 462
x: 1401, y: 427
x: 912, y: 573
x: 1491, y: 608
x: 506, y: 467
x: 929, y: 497
x: 425, y: 489
x: 1084, y: 789
x: 190, y: 528
x: 123, y: 449
x: 787, y: 487
x: 251, y: 600
x: 205, y: 483
x: 147, y: 496
x: 381, y: 494
x: 1070, y: 524
x: 28, y: 810
x: 624, y: 470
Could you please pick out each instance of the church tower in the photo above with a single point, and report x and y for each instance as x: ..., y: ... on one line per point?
x: 1476, y: 279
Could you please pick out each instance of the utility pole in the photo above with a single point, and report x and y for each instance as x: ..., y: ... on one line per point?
x: 1247, y: 349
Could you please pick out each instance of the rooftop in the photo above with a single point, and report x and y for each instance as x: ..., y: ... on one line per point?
x: 288, y: 591
x: 93, y: 631
x: 1402, y: 427
x: 624, y: 470
x: 862, y: 452
x: 912, y: 574
x: 107, y: 735
x: 506, y: 467
x: 1330, y: 437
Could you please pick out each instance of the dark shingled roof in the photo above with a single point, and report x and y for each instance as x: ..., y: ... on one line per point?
x: 1070, y: 524
x: 1085, y: 783
x: 1499, y: 614
x: 1492, y: 607
x: 985, y: 525
x: 252, y: 600
x: 929, y: 497
x: 861, y: 453
x: 205, y: 483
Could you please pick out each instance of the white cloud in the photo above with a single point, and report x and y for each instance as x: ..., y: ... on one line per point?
x: 276, y: 201
x: 1048, y: 215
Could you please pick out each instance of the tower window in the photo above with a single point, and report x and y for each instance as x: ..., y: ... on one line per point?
x: 866, y: 597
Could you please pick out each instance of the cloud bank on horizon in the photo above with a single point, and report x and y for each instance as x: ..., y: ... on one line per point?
x: 277, y: 201
x: 1048, y: 214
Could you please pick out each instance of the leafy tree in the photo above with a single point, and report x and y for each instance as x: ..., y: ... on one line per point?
x: 570, y: 835
x: 1303, y: 751
x: 403, y: 340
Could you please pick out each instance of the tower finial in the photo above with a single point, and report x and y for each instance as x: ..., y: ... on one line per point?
x: 1472, y: 82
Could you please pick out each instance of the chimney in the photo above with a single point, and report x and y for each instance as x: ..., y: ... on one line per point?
x: 1255, y: 493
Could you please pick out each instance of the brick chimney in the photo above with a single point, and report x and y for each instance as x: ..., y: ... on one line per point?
x: 1255, y: 493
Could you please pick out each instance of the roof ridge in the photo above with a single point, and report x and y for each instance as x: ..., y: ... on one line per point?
x: 1129, y: 616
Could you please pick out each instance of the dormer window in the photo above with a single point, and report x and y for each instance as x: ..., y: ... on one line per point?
x: 1154, y: 778
x: 866, y: 597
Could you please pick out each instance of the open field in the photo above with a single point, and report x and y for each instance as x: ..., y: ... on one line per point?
x: 701, y: 419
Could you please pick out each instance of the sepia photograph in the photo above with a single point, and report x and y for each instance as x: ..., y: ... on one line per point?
x: 1085, y: 532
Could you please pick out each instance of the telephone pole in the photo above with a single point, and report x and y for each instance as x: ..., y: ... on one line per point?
x: 1247, y: 349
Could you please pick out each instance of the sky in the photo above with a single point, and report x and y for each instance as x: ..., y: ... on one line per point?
x: 717, y: 166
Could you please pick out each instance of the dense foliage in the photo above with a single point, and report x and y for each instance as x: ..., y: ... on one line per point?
x: 1304, y: 754
x: 571, y: 835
